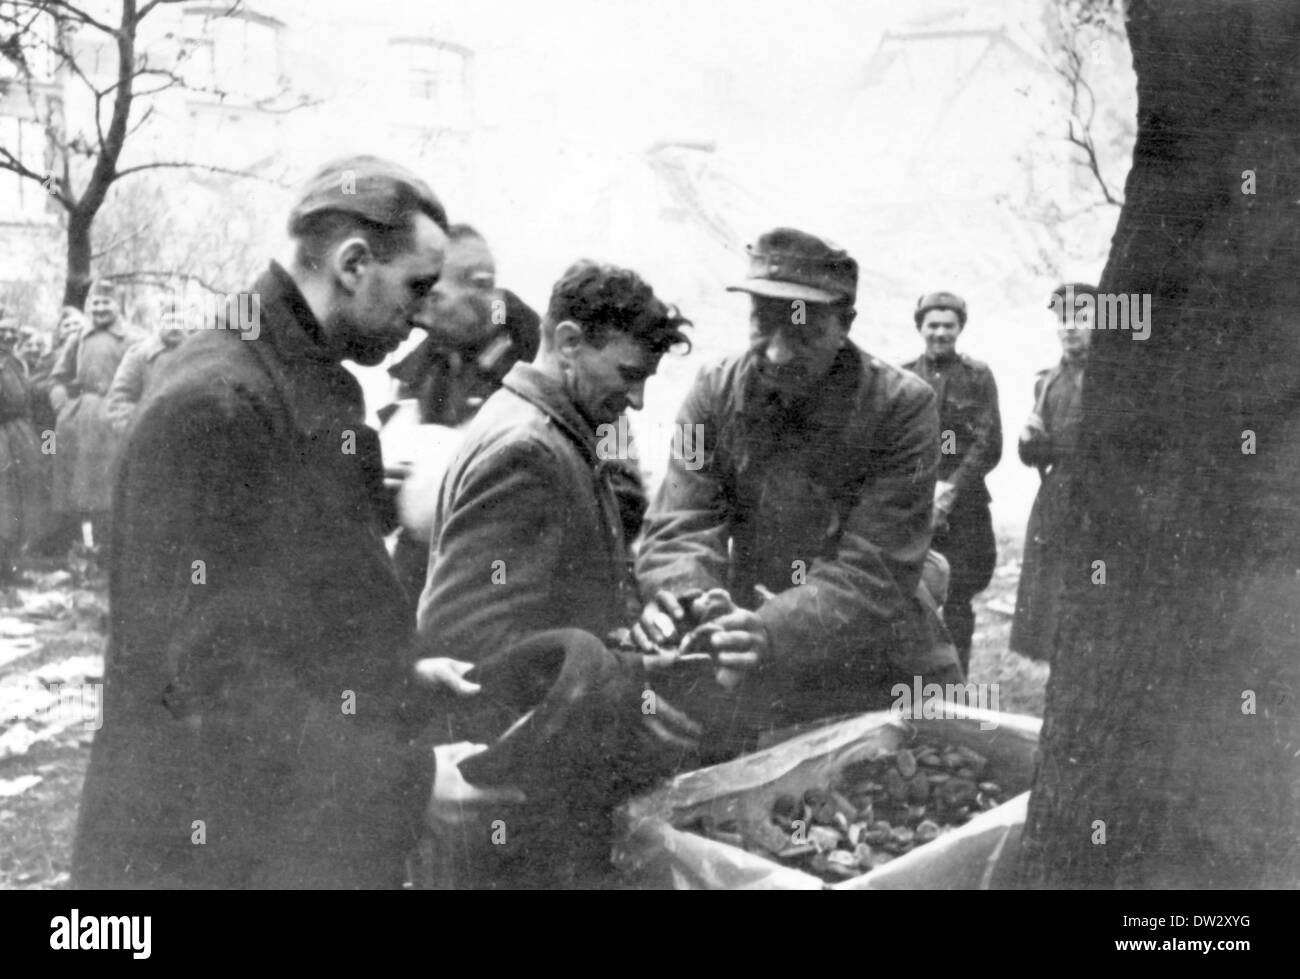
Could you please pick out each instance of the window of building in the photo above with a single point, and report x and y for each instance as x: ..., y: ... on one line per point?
x: 436, y: 75
x: 238, y: 53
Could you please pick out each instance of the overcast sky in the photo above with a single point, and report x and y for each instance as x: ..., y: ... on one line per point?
x: 634, y: 71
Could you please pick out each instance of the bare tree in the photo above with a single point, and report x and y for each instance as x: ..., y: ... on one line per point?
x: 1083, y: 41
x: 1082, y: 28
x: 160, y: 234
x: 1171, y: 737
x: 83, y: 168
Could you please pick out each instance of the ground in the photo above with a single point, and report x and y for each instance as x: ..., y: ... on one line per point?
x: 52, y: 629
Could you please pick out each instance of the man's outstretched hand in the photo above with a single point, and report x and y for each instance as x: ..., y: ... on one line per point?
x: 737, y: 639
x: 661, y: 624
x: 440, y: 671
x: 734, y: 637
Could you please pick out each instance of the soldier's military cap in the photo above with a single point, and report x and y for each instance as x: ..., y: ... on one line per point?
x: 940, y: 300
x: 789, y: 264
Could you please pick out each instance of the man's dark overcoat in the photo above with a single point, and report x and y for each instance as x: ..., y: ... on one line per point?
x: 257, y: 715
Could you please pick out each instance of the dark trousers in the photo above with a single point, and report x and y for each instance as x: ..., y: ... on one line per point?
x: 972, y: 553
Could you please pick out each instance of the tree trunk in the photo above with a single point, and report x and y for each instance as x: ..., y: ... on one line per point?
x: 77, y: 284
x: 1173, y: 710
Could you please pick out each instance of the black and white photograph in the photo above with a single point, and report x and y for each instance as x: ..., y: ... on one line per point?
x: 616, y: 446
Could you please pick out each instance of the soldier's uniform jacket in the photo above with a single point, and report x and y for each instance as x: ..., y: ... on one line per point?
x: 139, y: 370
x: 528, y: 534
x: 1058, y: 399
x: 835, y: 494
x: 22, y: 493
x: 968, y: 407
x: 1059, y: 402
x: 86, y: 442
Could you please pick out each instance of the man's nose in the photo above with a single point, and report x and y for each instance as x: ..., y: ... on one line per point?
x: 780, y: 350
x: 636, y: 396
x: 423, y: 317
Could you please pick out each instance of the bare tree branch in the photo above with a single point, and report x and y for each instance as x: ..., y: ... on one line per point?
x: 148, y: 112
x: 144, y: 11
x: 1084, y: 141
x: 114, y: 245
x: 190, y: 165
x: 1068, y: 63
x: 160, y: 275
x: 79, y: 15
x: 54, y: 188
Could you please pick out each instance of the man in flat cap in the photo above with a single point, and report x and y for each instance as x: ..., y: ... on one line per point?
x: 811, y: 510
x: 259, y: 713
x: 85, y: 443
x: 970, y: 446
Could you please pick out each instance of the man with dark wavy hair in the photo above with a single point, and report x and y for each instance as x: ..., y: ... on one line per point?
x: 528, y: 568
x: 527, y: 499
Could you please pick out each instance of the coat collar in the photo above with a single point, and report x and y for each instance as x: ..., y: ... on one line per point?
x: 297, y: 334
x: 152, y: 347
x: 320, y: 392
x: 549, y: 397
x: 118, y: 329
x: 940, y: 363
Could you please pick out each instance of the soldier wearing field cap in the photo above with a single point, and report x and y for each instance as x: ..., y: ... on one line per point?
x: 970, y: 446
x: 260, y: 715
x: 86, y: 444
x: 811, y: 511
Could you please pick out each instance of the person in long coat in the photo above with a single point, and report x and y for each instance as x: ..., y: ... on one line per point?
x: 143, y: 366
x: 1050, y: 443
x: 38, y: 350
x: 21, y: 493
x: 86, y: 443
x: 261, y: 727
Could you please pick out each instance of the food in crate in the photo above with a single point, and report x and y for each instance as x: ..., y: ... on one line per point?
x: 872, y: 811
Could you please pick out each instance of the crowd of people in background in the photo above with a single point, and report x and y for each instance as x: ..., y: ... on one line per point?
x: 60, y: 439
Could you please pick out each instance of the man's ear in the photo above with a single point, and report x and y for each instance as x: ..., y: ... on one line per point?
x: 848, y: 316
x: 350, y: 260
x: 568, y: 337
